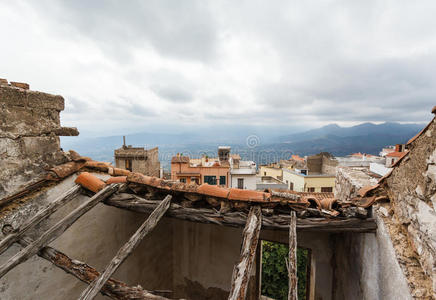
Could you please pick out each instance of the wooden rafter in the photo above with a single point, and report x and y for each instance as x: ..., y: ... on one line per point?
x: 242, y: 270
x: 93, y: 289
x: 113, y: 288
x: 15, y: 235
x: 238, y: 218
x: 56, y: 230
x: 292, y: 264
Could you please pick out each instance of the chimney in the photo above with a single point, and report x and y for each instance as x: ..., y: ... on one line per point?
x: 124, y: 141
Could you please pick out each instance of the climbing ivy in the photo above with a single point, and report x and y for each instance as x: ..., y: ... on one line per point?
x: 275, y: 274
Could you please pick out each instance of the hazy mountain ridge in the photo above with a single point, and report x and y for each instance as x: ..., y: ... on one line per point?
x: 364, y: 129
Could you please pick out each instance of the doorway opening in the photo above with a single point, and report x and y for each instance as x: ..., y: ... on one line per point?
x: 274, y: 280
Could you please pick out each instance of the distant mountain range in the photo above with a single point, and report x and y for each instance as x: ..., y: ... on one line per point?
x: 339, y: 141
x: 402, y: 131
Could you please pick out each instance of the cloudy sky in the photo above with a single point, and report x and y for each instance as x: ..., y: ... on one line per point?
x: 126, y: 66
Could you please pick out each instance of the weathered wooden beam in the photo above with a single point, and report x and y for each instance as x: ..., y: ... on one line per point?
x: 242, y: 270
x: 113, y: 288
x: 16, y: 234
x: 24, y: 191
x: 292, y: 266
x: 93, y: 289
x: 238, y: 218
x: 57, y: 229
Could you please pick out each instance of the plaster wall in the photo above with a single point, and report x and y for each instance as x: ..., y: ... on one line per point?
x: 366, y: 267
x: 249, y: 181
x: 273, y: 172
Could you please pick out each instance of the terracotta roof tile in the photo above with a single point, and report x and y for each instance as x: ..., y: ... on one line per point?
x: 118, y: 179
x: 365, y: 202
x: 66, y: 169
x: 248, y: 195
x: 90, y: 182
x: 396, y: 154
x: 329, y: 203
x: 366, y: 189
x: 118, y: 172
x: 213, y: 190
x: 98, y: 165
x: 297, y: 157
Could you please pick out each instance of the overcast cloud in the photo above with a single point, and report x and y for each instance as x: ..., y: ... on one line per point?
x: 141, y: 65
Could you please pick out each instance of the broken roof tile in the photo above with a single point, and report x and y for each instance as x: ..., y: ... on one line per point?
x: 329, y: 203
x: 366, y: 189
x: 66, y: 169
x: 90, y: 182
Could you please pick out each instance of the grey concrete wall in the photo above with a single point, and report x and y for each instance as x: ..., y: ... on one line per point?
x: 366, y: 267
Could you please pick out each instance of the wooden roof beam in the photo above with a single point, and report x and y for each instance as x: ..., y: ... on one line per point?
x: 113, y: 288
x: 57, y: 229
x: 16, y: 234
x: 94, y: 288
x: 292, y: 265
x: 237, y: 218
x: 242, y: 270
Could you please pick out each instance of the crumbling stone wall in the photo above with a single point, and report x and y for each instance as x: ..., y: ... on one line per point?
x: 412, y: 190
x: 29, y: 130
x: 350, y: 179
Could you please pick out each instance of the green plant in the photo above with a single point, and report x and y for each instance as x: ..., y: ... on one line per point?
x: 275, y: 273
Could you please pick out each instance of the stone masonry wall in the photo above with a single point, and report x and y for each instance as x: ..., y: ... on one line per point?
x: 145, y: 161
x: 412, y: 191
x: 349, y: 180
x: 29, y: 130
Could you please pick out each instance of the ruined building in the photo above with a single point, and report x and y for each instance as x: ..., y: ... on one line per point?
x: 138, y: 159
x: 76, y: 228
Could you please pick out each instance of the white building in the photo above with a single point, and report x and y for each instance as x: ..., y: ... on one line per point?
x: 242, y: 174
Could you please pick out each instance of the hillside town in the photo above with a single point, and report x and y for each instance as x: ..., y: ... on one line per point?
x: 313, y: 173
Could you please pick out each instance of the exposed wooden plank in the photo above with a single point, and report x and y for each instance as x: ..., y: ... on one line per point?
x: 113, y: 288
x: 238, y: 218
x: 57, y: 229
x: 242, y: 270
x: 292, y: 266
x: 93, y: 289
x: 15, y: 235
